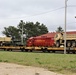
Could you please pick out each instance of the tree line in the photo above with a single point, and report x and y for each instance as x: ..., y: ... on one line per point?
x: 27, y: 30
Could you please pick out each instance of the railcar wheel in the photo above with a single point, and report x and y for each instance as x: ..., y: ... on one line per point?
x: 26, y: 50
x: 53, y: 51
x: 73, y: 52
x: 31, y: 50
x: 48, y: 51
x: 22, y: 50
x: 44, y: 50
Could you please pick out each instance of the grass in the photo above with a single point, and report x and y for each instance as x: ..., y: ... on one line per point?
x: 61, y: 63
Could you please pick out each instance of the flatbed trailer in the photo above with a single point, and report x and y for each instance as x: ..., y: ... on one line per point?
x: 10, y: 47
x: 44, y: 49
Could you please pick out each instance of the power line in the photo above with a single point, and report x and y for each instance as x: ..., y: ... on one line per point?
x: 53, y: 10
x: 43, y: 12
x: 39, y: 13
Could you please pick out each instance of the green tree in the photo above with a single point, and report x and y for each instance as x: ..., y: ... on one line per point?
x: 29, y: 29
x: 11, y: 31
x: 59, y: 29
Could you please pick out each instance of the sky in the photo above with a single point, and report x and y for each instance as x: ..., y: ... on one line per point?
x: 49, y: 12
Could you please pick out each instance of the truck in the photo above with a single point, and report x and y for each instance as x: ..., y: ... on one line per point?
x: 70, y: 39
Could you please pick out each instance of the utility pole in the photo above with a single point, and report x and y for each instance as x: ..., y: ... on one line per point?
x: 65, y: 27
x: 22, y: 34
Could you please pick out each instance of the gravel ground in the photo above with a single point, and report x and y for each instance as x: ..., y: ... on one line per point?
x: 14, y: 69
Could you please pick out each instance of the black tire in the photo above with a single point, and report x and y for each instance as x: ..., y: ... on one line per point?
x: 57, y: 44
x: 73, y: 44
x: 68, y: 44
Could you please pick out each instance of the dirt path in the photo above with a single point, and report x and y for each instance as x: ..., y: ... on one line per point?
x: 14, y: 69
